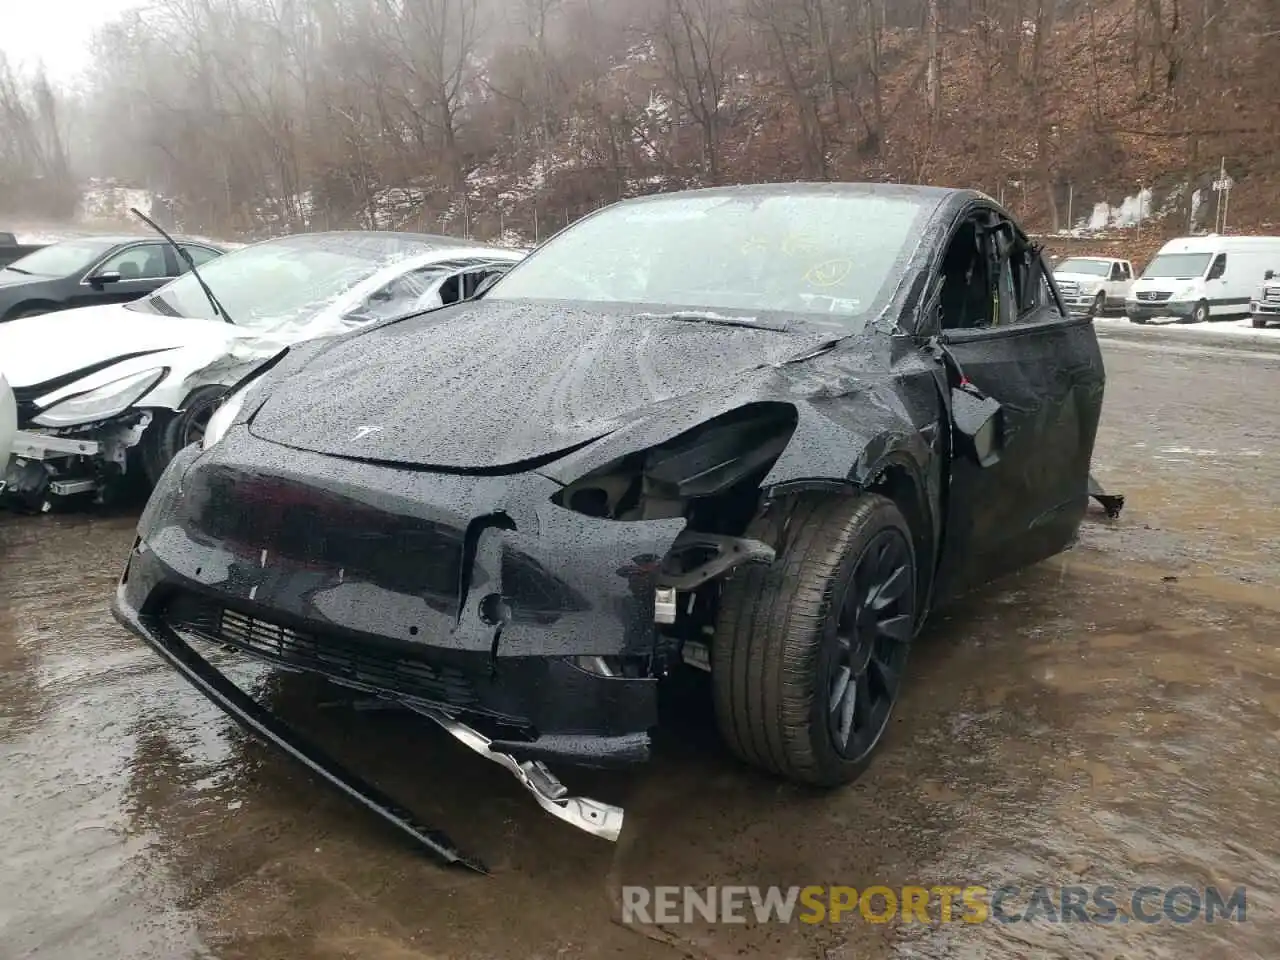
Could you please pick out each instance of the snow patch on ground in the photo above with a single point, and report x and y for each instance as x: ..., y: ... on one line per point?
x: 1240, y: 332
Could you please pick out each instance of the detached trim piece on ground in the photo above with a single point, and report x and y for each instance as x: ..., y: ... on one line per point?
x: 599, y: 819
x: 1113, y: 503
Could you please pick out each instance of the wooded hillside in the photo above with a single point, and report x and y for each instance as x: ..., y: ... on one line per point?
x: 514, y: 116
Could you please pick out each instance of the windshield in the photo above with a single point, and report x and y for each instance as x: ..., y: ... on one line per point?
x: 268, y: 284
x: 1177, y: 265
x: 63, y: 259
x: 829, y: 256
x: 1094, y: 268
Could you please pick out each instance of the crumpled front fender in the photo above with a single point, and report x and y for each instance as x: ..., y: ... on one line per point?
x: 209, y: 365
x: 846, y: 430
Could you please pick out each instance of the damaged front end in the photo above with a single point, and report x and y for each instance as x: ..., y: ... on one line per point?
x: 77, y: 441
x: 530, y: 618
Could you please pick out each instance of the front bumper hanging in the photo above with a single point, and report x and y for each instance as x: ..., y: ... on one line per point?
x: 598, y: 819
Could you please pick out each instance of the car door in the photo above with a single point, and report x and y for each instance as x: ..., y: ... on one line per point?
x: 1115, y: 284
x: 1216, y: 285
x: 1126, y: 281
x: 1044, y: 368
x: 126, y: 274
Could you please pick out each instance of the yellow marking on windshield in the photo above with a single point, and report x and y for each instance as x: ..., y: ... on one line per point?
x: 829, y: 272
x: 797, y: 243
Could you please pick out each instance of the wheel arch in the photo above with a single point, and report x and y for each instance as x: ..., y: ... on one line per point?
x: 36, y: 303
x: 890, y: 465
x: 897, y: 477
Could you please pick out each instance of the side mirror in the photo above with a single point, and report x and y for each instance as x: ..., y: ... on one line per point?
x: 1270, y: 274
x: 100, y: 280
x: 979, y: 423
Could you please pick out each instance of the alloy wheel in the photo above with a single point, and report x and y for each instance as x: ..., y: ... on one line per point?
x: 869, y: 645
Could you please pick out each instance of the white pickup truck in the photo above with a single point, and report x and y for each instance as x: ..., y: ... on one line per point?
x: 1092, y: 285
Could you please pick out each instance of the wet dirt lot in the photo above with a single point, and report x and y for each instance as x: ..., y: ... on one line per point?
x: 1109, y: 717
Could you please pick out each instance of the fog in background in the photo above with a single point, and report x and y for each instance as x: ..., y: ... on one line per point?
x: 512, y: 117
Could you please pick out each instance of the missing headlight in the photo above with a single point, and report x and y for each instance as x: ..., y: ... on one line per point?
x: 706, y: 462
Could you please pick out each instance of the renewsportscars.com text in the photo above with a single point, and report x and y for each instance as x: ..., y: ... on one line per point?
x: 920, y: 904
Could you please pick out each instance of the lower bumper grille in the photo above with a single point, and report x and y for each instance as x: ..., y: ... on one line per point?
x: 364, y: 666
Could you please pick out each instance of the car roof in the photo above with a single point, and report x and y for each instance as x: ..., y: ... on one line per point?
x: 416, y: 260
x: 116, y: 239
x: 816, y: 188
x: 375, y: 245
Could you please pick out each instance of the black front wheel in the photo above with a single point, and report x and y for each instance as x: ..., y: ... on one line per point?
x: 1099, y: 305
x: 1201, y: 313
x: 809, y: 653
x: 171, y: 434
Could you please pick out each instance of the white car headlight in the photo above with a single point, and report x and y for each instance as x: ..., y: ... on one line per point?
x: 223, y: 417
x: 101, y: 403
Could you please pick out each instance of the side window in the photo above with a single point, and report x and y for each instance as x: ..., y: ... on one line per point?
x: 1117, y: 272
x: 200, y: 255
x: 398, y: 297
x: 1126, y: 271
x: 1219, y: 268
x: 475, y: 278
x: 1036, y: 301
x: 143, y: 262
x: 451, y: 289
x: 966, y: 299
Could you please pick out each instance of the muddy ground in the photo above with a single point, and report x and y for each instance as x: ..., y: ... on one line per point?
x: 1109, y: 717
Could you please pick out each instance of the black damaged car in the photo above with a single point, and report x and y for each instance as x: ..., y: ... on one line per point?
x: 761, y: 430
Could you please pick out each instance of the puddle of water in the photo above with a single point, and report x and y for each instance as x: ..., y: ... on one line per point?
x: 1088, y: 722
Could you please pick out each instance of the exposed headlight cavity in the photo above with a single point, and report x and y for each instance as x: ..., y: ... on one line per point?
x: 705, y: 462
x: 101, y: 403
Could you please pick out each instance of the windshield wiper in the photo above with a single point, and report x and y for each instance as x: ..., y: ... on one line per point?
x: 19, y: 270
x: 715, y: 319
x: 218, y: 309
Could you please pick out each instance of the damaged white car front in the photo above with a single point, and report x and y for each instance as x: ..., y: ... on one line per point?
x: 108, y: 395
x: 84, y: 434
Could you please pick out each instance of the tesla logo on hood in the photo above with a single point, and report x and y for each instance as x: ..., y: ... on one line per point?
x: 363, y: 432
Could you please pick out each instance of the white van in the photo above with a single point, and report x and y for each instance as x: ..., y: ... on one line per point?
x: 1193, y: 279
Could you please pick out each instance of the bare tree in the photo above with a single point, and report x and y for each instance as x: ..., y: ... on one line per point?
x: 693, y: 41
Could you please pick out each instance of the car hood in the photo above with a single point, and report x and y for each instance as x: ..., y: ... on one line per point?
x: 494, y: 384
x: 1080, y: 277
x: 12, y: 278
x: 36, y: 350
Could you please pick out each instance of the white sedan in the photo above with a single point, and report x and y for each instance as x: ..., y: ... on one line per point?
x: 109, y: 390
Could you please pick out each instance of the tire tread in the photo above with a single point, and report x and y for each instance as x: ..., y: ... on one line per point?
x: 770, y: 624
